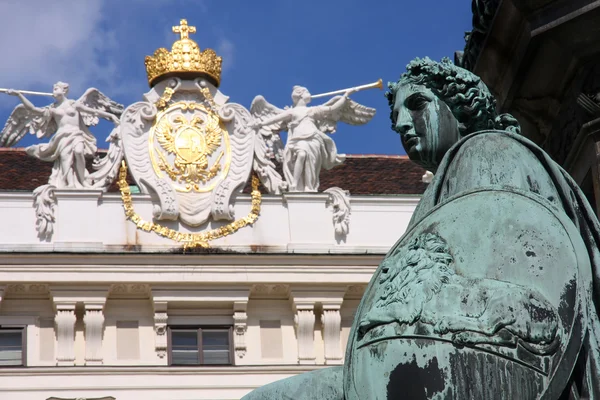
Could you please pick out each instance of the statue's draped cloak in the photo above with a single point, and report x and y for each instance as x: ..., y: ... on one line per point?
x: 504, y: 160
x: 320, y: 149
x: 64, y: 142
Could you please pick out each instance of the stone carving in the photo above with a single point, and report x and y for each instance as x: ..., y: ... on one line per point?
x: 340, y: 205
x: 94, y: 327
x: 65, y: 335
x: 44, y: 202
x: 332, y: 321
x: 416, y: 284
x: 492, y: 292
x: 572, y: 115
x: 427, y: 177
x: 308, y: 147
x: 200, y: 147
x: 484, y: 12
x: 160, y: 328
x: 590, y: 103
x: 68, y: 120
x: 240, y: 326
x: 72, y: 143
x: 304, y: 320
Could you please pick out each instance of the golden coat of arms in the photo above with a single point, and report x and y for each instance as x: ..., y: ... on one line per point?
x: 186, y: 146
x: 189, y: 144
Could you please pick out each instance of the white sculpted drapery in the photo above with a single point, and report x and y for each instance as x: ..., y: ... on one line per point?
x: 308, y: 147
x: 72, y: 143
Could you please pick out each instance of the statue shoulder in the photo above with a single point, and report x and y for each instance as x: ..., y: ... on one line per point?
x: 497, y: 158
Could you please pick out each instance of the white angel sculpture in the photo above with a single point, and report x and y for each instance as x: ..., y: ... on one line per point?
x: 308, y: 147
x: 72, y: 142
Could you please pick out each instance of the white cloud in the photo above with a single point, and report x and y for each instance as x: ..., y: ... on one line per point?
x: 44, y: 41
x: 226, y: 49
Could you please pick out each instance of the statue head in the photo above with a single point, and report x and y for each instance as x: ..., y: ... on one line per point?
x: 60, y: 89
x: 300, y: 94
x: 434, y: 104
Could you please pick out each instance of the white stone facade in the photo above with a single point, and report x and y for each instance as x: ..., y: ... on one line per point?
x: 97, y: 301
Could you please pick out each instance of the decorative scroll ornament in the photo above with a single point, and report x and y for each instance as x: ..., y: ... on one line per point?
x: 190, y: 240
x: 340, y: 205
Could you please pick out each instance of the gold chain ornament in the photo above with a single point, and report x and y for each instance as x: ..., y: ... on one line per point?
x: 189, y: 240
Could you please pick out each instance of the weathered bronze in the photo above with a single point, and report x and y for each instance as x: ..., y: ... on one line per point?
x: 493, y: 291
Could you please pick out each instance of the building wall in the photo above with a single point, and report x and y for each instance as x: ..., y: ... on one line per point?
x: 96, y: 300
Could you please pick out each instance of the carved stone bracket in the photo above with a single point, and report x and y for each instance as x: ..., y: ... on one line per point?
x: 160, y: 328
x: 65, y: 334
x: 240, y: 326
x: 332, y: 326
x: 305, y: 331
x: 94, y: 326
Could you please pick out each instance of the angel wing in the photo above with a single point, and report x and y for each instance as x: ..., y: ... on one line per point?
x: 351, y: 113
x: 261, y: 110
x: 164, y: 135
x: 23, y: 120
x: 93, y: 98
x: 270, y: 141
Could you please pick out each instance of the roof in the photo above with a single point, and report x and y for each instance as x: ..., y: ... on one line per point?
x: 360, y: 174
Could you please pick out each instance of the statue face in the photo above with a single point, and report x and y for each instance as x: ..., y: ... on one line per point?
x: 426, y: 125
x: 58, y: 91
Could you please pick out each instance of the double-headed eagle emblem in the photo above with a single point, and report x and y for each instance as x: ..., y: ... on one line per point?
x: 192, y: 140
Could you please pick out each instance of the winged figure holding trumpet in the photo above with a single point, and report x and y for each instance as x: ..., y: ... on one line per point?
x: 67, y: 121
x: 309, y: 147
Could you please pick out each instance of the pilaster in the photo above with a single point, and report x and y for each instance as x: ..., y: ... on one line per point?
x: 240, y: 326
x: 65, y: 334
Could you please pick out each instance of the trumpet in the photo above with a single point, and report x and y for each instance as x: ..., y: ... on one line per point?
x: 29, y: 92
x: 378, y: 84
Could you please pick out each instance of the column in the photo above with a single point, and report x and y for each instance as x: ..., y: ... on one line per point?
x: 65, y: 334
x: 160, y: 328
x: 240, y: 326
x: 305, y: 331
x: 94, y: 328
x: 332, y: 326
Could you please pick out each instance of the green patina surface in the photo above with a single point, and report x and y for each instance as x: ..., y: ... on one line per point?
x: 493, y: 290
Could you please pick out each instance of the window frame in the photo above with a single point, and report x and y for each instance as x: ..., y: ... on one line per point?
x: 198, y: 330
x: 23, y: 330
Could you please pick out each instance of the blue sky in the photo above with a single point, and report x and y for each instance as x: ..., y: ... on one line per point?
x: 267, y: 47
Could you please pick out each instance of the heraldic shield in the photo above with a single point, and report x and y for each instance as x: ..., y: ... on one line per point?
x: 189, y: 149
x: 452, y: 322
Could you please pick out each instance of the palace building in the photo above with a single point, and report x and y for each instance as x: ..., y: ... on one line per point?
x: 197, y: 257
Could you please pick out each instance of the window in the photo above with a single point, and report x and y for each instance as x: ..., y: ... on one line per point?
x: 12, y: 345
x: 200, y: 346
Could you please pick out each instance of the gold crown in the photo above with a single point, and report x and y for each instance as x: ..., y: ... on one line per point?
x: 185, y: 58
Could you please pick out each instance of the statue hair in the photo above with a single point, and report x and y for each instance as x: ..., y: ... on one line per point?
x: 468, y: 98
x: 63, y: 85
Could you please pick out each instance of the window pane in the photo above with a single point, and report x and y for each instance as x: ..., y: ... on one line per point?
x: 216, y: 357
x: 10, y: 338
x: 214, y: 337
x: 11, y: 357
x: 215, y: 346
x: 184, y: 357
x: 11, y: 352
x: 184, y: 346
x: 187, y: 338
